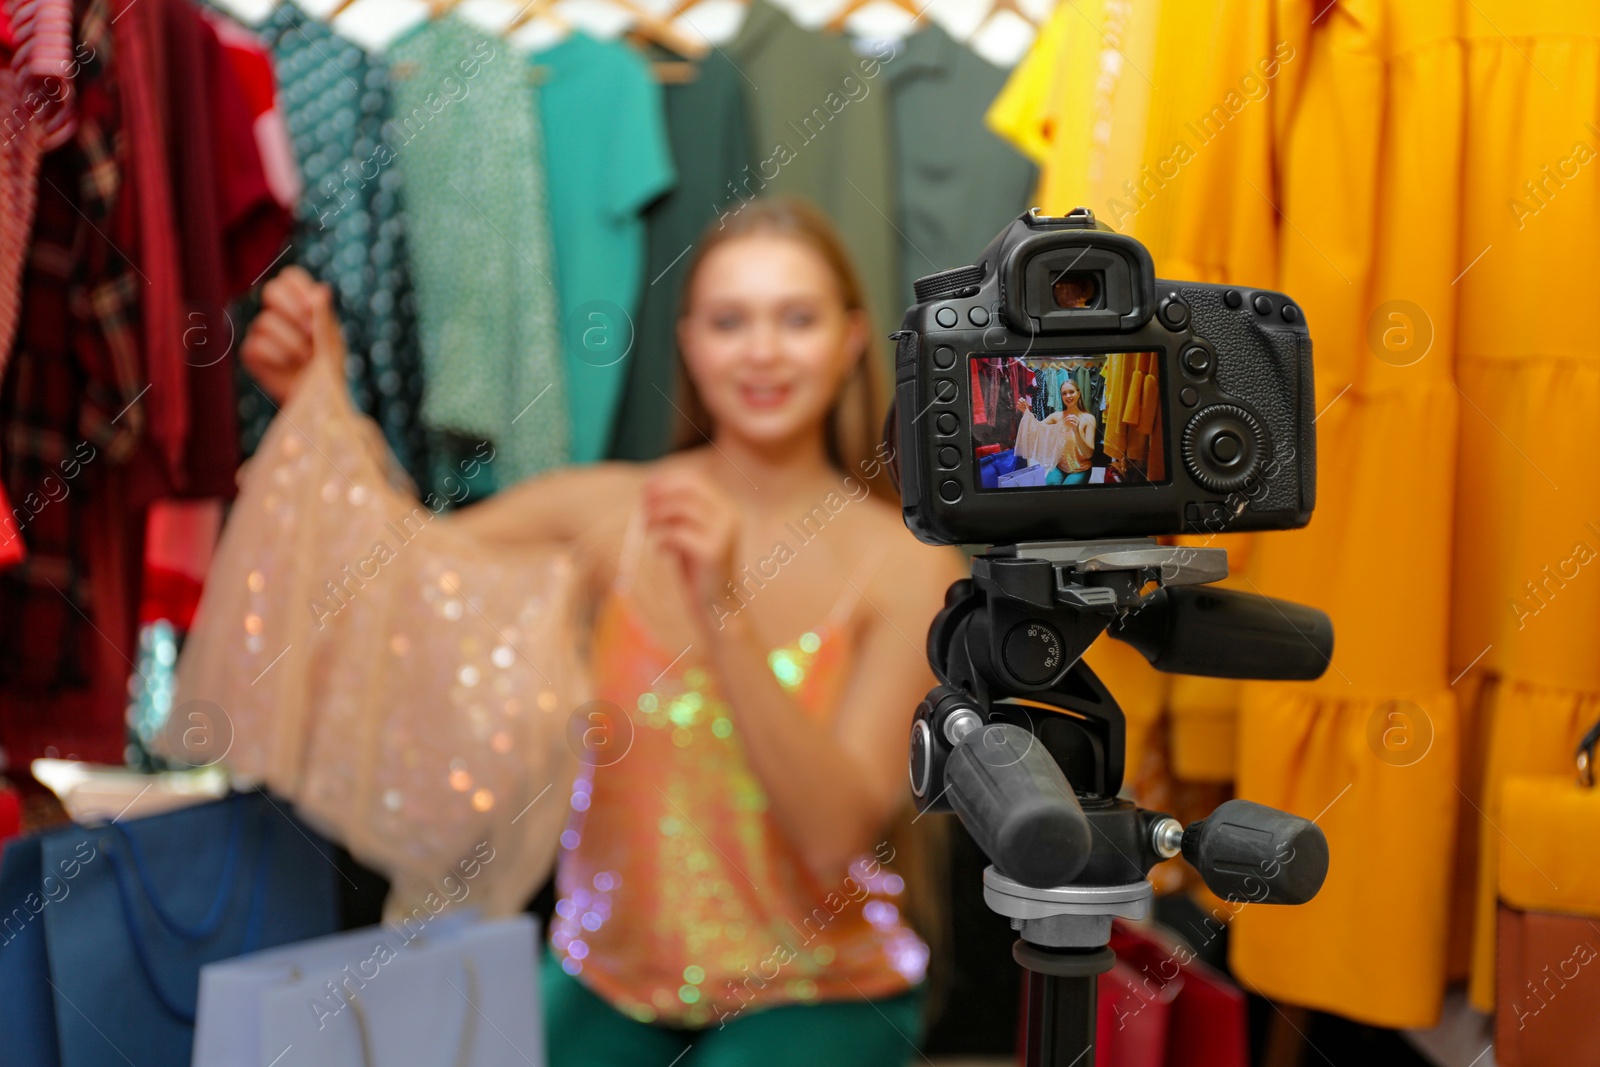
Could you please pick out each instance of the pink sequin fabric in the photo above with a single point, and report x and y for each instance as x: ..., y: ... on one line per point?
x: 407, y: 687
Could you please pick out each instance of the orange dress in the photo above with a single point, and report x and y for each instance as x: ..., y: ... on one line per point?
x: 681, y: 900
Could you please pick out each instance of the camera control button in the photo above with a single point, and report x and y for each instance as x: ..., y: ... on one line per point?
x: 1174, y: 313
x: 949, y: 458
x: 1190, y: 396
x: 950, y: 490
x: 944, y: 390
x: 1197, y: 361
x: 947, y: 424
x: 978, y: 317
x: 946, y: 317
x: 944, y: 357
x: 1262, y: 304
x: 1290, y: 313
x: 1233, y: 298
x: 1223, y: 447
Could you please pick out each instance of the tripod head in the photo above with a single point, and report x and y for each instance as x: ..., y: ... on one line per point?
x: 1026, y: 745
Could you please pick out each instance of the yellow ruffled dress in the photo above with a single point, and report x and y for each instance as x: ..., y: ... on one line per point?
x: 1417, y: 176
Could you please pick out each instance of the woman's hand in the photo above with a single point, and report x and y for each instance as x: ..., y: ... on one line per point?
x: 296, y: 323
x: 695, y: 520
x: 1023, y: 407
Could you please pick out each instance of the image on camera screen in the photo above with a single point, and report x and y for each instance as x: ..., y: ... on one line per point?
x: 1067, y: 420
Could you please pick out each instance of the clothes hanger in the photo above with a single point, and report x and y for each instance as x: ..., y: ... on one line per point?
x: 534, y: 10
x: 651, y: 27
x: 1012, y: 6
x: 836, y: 24
x: 338, y: 9
x: 684, y: 5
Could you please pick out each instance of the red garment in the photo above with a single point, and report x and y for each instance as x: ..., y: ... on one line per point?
x: 252, y: 63
x: 230, y: 231
x: 255, y: 223
x: 66, y: 619
x: 138, y: 69
x: 42, y: 31
x: 979, y: 415
x: 12, y: 548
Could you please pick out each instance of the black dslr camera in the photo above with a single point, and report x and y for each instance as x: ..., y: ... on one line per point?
x: 1058, y: 403
x: 1059, y: 361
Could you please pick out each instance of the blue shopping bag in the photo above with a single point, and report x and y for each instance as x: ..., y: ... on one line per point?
x: 160, y: 898
x: 27, y: 1010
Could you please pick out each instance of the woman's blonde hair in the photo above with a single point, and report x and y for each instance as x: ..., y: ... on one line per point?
x: 853, y: 433
x: 855, y: 419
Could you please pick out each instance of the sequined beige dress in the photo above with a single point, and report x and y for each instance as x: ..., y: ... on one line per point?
x: 406, y: 688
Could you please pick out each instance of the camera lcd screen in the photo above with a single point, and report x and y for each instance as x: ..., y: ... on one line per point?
x: 1068, y: 420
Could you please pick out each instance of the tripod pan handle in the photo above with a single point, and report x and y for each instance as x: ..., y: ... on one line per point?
x: 1018, y: 806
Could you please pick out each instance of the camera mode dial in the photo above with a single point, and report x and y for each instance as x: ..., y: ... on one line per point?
x: 1223, y: 447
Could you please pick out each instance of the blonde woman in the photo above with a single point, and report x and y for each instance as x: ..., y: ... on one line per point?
x: 1072, y: 465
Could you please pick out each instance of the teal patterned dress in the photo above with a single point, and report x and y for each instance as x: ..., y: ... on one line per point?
x: 351, y: 231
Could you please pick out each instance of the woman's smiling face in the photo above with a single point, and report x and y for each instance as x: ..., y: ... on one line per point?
x: 767, y: 338
x: 1069, y: 395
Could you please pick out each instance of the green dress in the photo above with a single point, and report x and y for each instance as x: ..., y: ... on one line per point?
x: 467, y: 137
x: 959, y: 185
x: 820, y: 119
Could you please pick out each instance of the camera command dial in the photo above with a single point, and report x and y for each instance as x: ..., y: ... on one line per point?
x: 1223, y: 447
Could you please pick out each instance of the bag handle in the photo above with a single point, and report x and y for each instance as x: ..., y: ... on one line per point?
x: 141, y: 949
x: 469, y: 1023
x: 219, y: 904
x: 1586, y: 754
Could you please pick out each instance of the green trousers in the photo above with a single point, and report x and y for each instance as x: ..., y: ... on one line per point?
x: 582, y: 1030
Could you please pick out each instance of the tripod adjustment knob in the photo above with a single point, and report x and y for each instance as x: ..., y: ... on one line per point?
x: 1250, y: 852
x: 1033, y: 652
x: 1166, y: 838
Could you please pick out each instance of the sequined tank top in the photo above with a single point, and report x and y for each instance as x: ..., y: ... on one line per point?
x: 680, y: 898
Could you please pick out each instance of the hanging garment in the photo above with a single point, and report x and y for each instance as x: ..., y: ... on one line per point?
x: 605, y: 158
x: 1184, y: 171
x: 1525, y: 540
x: 66, y: 624
x: 351, y: 231
x: 406, y: 687
x: 487, y: 307
x: 709, y: 137
x: 1040, y: 442
x: 36, y: 96
x: 149, y: 224
x: 957, y: 184
x: 822, y: 130
x: 230, y: 231
x: 252, y: 66
x: 681, y: 897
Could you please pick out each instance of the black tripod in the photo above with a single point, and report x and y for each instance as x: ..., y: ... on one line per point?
x: 1019, y: 717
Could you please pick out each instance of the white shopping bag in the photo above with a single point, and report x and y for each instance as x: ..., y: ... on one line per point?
x: 451, y: 992
x: 1033, y: 475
